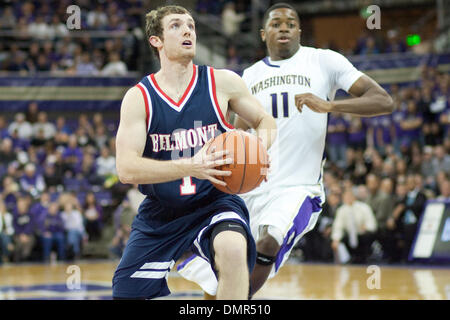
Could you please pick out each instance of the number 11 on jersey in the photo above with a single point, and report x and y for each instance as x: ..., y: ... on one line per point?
x: 275, y: 104
x: 187, y: 187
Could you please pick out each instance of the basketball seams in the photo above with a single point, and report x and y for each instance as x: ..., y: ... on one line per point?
x: 245, y: 162
x: 223, y: 148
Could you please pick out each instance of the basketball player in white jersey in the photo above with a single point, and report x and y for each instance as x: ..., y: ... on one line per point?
x: 297, y: 85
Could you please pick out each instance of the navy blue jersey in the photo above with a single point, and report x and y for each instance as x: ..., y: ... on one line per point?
x: 178, y: 130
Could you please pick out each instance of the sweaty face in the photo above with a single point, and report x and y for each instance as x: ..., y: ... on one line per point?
x: 179, y: 37
x: 282, y: 33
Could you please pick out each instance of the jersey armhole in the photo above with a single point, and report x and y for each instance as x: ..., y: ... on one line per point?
x: 147, y: 103
x: 215, y: 102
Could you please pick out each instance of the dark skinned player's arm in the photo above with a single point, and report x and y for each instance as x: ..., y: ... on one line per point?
x: 368, y: 99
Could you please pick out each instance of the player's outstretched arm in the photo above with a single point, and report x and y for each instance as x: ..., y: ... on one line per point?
x: 369, y: 99
x: 133, y: 168
x: 246, y: 106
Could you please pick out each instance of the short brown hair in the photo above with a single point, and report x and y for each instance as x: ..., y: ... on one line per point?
x: 153, y: 26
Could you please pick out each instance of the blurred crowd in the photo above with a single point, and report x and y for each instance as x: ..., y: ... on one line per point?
x: 58, y: 177
x: 35, y: 37
x: 380, y: 173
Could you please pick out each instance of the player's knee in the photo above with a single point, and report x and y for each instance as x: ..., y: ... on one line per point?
x: 230, y: 250
x: 267, y: 245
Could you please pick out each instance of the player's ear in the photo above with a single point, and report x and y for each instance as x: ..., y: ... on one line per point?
x: 155, y: 41
x: 262, y: 32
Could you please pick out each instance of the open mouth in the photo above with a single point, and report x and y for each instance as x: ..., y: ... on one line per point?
x: 187, y: 43
x: 283, y: 39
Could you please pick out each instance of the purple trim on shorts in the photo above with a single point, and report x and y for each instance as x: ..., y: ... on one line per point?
x: 300, y: 222
x: 185, y: 262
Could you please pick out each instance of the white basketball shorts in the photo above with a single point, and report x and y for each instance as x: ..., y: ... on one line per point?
x: 289, y: 213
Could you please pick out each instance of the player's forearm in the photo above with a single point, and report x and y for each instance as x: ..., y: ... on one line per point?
x: 267, y: 131
x: 372, y: 103
x: 139, y: 170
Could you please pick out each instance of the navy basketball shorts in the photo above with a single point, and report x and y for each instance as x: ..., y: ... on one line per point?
x: 156, y: 244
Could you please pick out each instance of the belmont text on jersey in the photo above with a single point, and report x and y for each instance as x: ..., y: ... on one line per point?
x: 182, y: 139
x: 293, y: 79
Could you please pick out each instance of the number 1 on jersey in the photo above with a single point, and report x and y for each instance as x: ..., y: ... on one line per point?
x: 187, y: 187
x: 275, y: 105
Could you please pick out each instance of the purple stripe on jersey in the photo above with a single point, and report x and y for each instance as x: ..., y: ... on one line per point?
x: 266, y: 61
x: 300, y: 222
x: 185, y: 262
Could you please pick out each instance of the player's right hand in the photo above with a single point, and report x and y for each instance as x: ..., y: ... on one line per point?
x: 204, y: 164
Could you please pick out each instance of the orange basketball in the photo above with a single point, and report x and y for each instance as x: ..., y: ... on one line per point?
x: 250, y: 164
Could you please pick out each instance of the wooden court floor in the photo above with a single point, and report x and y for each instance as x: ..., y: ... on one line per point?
x: 58, y: 281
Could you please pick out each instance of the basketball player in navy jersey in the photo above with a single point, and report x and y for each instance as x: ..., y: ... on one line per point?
x: 297, y: 85
x: 166, y: 125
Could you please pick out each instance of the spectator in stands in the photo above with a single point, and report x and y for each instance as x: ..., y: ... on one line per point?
x: 93, y: 214
x: 354, y: 226
x: 10, y: 192
x: 444, y: 190
x: 444, y: 119
x: 135, y: 197
x: 337, y: 139
x: 407, y: 212
x: 410, y: 124
x: 73, y: 224
x: 3, y: 128
x: 106, y: 163
x: 441, y: 160
x: 23, y: 231
x: 83, y: 122
x: 43, y: 64
x: 47, y: 128
x: 23, y: 127
x: 22, y: 29
x: 120, y: 240
x: 83, y: 138
x: 231, y: 20
x: 97, y: 18
x: 115, y: 66
x: 370, y: 47
x: 384, y: 132
x: 7, y: 153
x: 356, y: 134
x: 394, y: 43
x: 39, y: 29
x: 32, y: 181
x: 63, y: 131
x: 101, y: 137
x: 379, y: 198
x: 57, y: 29
x: 31, y: 115
x: 8, y: 19
x: 116, y: 24
x: 39, y: 211
x: 426, y: 167
x: 85, y: 66
x: 53, y: 179
x: 6, y: 233
x: 53, y: 233
x: 72, y: 156
x: 234, y: 61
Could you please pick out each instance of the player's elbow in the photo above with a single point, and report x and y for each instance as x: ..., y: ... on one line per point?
x: 388, y: 105
x: 386, y: 102
x: 124, y: 173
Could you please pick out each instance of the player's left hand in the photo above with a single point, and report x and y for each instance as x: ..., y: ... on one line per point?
x: 313, y: 102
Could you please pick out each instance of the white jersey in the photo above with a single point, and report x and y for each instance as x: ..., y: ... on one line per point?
x: 298, y: 151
